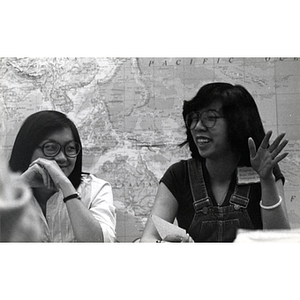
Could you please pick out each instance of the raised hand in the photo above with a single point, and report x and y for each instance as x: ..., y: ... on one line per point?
x: 266, y: 157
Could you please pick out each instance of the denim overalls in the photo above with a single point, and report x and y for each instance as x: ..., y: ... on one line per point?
x: 214, y: 223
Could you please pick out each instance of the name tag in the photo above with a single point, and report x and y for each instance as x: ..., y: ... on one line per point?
x: 247, y: 175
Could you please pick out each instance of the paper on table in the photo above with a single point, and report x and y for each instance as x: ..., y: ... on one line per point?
x: 280, y: 236
x: 165, y: 228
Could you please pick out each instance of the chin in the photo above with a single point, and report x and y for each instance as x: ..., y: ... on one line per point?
x: 202, y: 153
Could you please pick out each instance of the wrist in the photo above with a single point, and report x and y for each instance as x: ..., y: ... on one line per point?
x: 67, y: 187
x: 72, y: 196
x: 270, y: 207
x: 65, y: 183
x: 267, y: 179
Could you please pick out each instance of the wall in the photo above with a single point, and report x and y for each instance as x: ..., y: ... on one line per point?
x: 128, y: 112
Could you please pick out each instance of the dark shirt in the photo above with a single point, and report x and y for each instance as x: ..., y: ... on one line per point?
x: 177, y: 181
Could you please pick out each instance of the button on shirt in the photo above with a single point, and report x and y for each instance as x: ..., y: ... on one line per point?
x: 96, y: 195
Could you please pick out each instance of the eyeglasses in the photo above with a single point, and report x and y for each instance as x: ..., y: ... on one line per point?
x: 51, y: 149
x: 208, y: 119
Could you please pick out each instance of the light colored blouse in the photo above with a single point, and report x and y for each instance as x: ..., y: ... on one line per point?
x: 96, y: 195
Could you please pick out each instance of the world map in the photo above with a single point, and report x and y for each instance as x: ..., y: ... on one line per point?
x: 129, y: 115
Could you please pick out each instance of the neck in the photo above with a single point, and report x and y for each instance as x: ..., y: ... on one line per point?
x: 221, y: 170
x: 42, y: 194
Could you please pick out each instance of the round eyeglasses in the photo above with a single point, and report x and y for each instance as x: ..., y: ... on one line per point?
x: 208, y: 119
x: 51, y: 149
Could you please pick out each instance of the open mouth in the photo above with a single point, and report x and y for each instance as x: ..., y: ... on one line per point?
x: 203, y: 140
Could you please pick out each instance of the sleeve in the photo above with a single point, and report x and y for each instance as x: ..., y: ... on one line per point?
x: 278, y: 174
x: 102, y: 208
x: 175, y: 179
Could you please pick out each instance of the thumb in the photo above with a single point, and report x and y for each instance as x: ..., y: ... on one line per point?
x: 252, y: 147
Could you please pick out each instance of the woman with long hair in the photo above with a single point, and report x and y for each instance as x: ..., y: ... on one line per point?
x: 72, y: 206
x: 232, y: 180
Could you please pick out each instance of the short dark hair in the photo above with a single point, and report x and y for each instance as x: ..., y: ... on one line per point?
x: 33, y: 131
x: 240, y: 111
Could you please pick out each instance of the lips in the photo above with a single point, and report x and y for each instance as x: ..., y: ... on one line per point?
x: 202, y: 140
x: 63, y: 167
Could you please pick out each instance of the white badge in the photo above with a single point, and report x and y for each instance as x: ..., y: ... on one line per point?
x: 247, y: 175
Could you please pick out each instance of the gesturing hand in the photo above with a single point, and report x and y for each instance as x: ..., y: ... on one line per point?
x: 178, y: 239
x: 265, y: 158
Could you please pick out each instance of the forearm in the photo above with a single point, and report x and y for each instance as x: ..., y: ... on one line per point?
x: 150, y: 234
x: 275, y: 218
x: 85, y: 227
x: 165, y: 206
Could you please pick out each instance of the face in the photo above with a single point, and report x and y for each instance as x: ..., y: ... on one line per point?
x: 62, y: 137
x: 212, y: 143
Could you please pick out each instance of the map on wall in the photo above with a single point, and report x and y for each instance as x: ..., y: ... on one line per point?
x: 128, y: 113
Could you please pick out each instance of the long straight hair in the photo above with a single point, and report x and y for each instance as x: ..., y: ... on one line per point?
x: 33, y: 131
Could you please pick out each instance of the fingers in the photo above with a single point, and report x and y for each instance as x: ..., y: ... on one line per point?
x: 252, y: 147
x: 280, y: 157
x: 277, y: 142
x: 40, y: 169
x: 187, y: 239
x: 275, y: 148
x: 279, y: 149
x: 48, y: 182
x: 173, y: 238
x: 265, y: 142
x: 50, y: 166
x: 54, y: 173
x: 45, y: 175
x: 45, y: 163
x: 178, y: 238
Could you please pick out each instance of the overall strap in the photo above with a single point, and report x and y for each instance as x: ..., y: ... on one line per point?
x: 240, y: 196
x: 197, y: 184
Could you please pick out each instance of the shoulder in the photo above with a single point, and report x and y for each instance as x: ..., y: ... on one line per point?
x: 95, y: 182
x: 179, y: 166
x: 176, y: 175
x: 94, y: 189
x: 91, y: 178
x: 177, y: 181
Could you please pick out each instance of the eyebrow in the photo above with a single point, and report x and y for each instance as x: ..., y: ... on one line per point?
x: 51, y: 140
x: 217, y: 111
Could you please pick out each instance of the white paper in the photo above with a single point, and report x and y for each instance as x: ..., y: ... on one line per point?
x: 280, y: 236
x: 165, y: 228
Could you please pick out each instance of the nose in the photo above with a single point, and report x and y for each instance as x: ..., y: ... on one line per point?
x: 60, y: 156
x: 200, y: 126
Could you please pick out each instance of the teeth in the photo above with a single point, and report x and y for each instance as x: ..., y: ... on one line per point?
x: 202, y: 140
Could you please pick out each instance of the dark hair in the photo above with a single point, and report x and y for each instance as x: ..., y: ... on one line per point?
x: 33, y: 131
x: 240, y: 111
